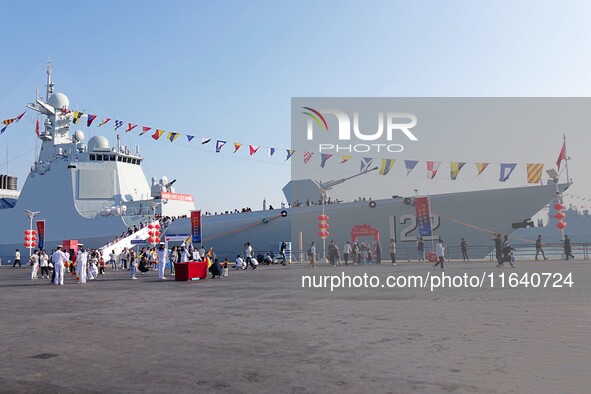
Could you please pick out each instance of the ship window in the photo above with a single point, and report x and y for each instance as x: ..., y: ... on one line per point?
x: 127, y: 159
x: 106, y: 157
x: 91, y: 157
x: 112, y: 157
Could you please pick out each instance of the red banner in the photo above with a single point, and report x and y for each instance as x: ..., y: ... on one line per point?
x: 176, y: 196
x: 196, y: 227
x: 41, y: 233
x: 423, y: 215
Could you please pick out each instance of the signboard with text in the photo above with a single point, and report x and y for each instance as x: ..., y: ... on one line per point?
x: 41, y: 233
x: 176, y: 196
x: 196, y: 226
x: 423, y: 215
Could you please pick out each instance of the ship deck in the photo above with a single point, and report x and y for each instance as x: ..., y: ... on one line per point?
x: 258, y: 331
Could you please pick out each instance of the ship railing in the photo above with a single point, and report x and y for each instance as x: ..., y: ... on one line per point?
x: 453, y: 253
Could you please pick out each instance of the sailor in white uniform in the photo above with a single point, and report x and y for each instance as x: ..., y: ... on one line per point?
x: 162, y: 260
x: 184, y: 254
x: 59, y: 260
x: 81, y: 265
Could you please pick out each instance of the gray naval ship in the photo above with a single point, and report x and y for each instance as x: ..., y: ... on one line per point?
x: 87, y: 191
x: 92, y: 192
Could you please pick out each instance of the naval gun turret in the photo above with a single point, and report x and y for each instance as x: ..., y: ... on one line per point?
x: 163, y: 186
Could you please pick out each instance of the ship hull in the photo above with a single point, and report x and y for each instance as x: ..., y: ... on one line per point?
x: 474, y: 216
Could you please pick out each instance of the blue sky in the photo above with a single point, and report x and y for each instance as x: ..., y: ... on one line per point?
x: 228, y: 70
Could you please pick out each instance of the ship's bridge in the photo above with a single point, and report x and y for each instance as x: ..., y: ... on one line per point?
x: 99, y: 150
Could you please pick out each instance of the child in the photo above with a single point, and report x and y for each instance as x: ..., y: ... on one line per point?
x: 101, y: 264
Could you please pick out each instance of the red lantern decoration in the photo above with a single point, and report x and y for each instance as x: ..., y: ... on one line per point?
x: 156, y: 225
x: 323, y: 234
x: 34, y: 238
x: 157, y: 233
x: 157, y: 240
x: 558, y: 206
x: 560, y: 215
x: 27, y: 244
x: 323, y: 218
x: 27, y: 237
x: 27, y: 231
x: 150, y: 226
x: 33, y: 231
x: 151, y: 233
x: 560, y: 225
x: 34, y: 244
x: 323, y: 225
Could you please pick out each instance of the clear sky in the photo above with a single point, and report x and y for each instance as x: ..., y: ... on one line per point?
x: 228, y: 70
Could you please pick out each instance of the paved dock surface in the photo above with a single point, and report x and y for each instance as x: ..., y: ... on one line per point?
x: 259, y: 331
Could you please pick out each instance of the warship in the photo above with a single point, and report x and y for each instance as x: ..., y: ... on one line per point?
x: 93, y: 192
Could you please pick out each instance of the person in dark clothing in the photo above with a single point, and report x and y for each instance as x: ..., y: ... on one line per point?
x: 216, y: 269
x: 282, y: 252
x: 506, y: 253
x: 464, y: 248
x: 539, y: 248
x: 568, y: 250
x: 498, y: 248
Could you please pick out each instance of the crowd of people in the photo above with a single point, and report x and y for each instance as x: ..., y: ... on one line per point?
x: 89, y: 264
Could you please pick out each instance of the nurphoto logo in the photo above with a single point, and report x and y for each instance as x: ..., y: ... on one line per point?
x: 394, y: 122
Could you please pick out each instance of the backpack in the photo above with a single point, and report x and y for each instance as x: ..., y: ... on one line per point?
x: 309, y: 252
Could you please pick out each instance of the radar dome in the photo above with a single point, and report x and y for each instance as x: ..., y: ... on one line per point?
x: 58, y: 100
x: 79, y: 136
x: 98, y: 143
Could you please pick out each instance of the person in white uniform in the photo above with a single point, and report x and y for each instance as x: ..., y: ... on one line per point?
x: 59, y: 260
x: 162, y: 260
x: 81, y: 265
x: 34, y: 264
x: 184, y: 254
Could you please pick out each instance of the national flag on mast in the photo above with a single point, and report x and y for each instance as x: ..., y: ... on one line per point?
x: 37, y: 128
x: 562, y: 155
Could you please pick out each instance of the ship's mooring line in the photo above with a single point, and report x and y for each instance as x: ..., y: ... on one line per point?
x: 240, y: 228
x: 474, y: 227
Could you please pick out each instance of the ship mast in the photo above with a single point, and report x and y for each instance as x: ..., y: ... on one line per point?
x: 50, y: 84
x: 565, y: 159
